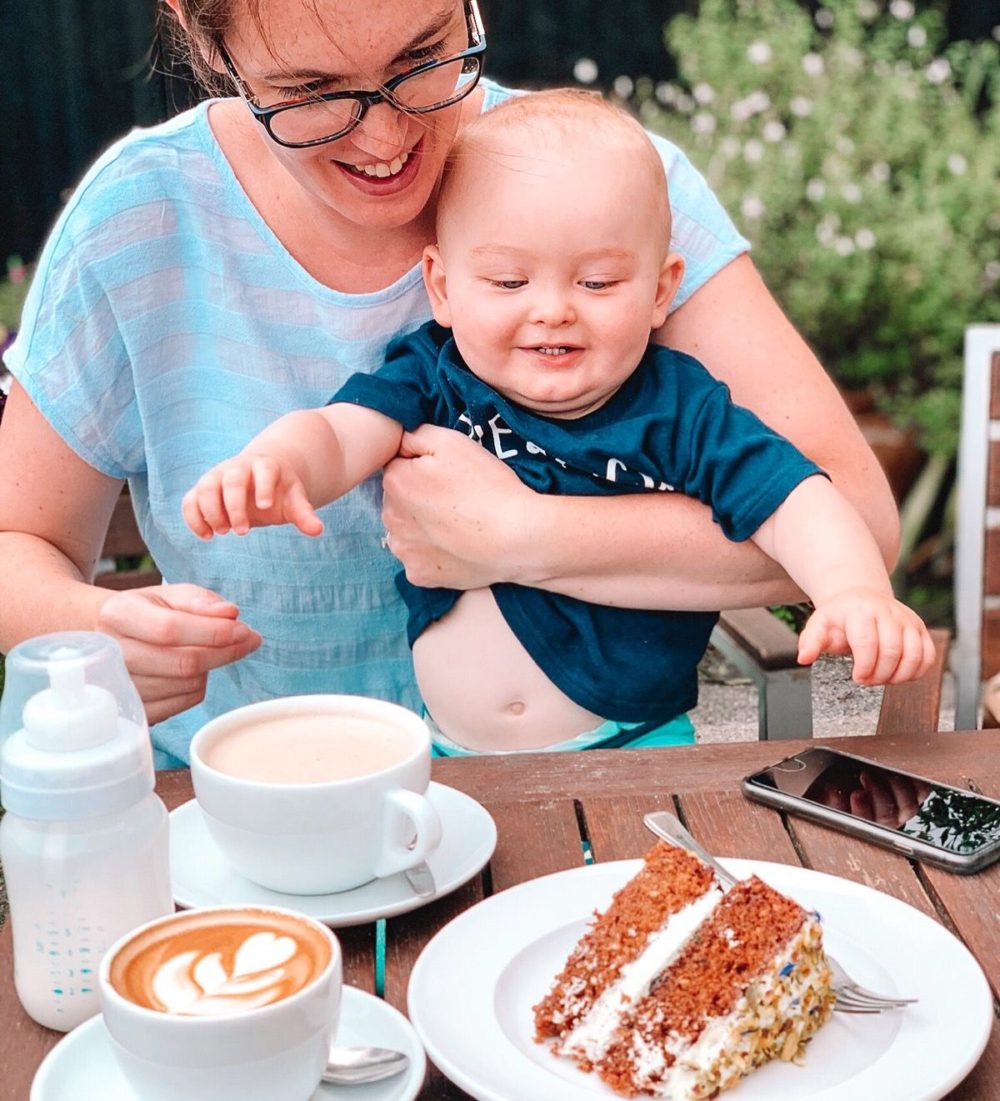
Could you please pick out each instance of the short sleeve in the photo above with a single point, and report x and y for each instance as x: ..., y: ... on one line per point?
x: 703, y: 233
x: 731, y: 460
x: 404, y: 387
x: 69, y: 354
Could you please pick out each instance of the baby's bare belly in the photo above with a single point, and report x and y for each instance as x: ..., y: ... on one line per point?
x: 484, y: 690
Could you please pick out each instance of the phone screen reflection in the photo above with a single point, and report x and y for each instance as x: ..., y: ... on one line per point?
x: 957, y: 821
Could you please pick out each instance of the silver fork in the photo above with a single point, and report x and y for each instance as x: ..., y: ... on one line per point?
x: 851, y: 997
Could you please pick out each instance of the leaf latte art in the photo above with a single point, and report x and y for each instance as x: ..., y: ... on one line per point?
x: 215, y: 965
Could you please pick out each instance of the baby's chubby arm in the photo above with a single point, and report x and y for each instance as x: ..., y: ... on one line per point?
x: 825, y: 546
x: 297, y: 464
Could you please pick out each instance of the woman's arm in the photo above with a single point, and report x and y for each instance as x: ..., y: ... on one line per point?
x: 458, y: 517
x: 54, y: 513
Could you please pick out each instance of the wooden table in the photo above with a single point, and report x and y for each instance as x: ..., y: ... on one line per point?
x: 544, y: 803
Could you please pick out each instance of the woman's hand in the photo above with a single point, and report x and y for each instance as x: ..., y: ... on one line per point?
x: 54, y: 513
x: 452, y: 511
x: 172, y: 636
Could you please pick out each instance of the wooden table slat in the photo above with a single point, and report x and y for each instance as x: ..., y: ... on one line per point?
x: 973, y: 907
x: 614, y: 824
x: 835, y: 853
x: 727, y: 824
x: 358, y: 947
x: 537, y: 840
x: 952, y: 757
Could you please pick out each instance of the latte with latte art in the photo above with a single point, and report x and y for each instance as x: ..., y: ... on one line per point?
x: 220, y: 962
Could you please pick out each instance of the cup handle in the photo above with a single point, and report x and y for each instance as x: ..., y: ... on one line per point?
x: 396, y: 856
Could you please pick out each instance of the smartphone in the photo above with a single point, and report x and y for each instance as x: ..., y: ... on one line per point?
x: 949, y: 827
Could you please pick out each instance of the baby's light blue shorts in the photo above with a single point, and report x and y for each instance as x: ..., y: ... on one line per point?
x: 609, y: 735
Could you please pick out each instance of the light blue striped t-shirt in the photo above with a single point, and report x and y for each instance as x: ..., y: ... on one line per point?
x: 167, y: 325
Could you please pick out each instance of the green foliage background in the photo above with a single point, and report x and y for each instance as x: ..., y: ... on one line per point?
x: 861, y: 155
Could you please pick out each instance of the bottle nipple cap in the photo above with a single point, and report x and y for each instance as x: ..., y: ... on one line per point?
x: 70, y: 714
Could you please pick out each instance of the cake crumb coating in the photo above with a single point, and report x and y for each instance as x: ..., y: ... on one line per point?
x: 750, y: 983
x: 757, y: 967
x: 668, y: 881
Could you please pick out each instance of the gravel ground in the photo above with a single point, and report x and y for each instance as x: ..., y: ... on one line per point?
x: 727, y: 702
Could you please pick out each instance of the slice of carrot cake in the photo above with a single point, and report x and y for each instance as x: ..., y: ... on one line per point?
x: 680, y: 988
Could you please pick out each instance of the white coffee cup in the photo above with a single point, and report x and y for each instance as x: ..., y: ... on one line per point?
x: 316, y: 794
x: 198, y: 1010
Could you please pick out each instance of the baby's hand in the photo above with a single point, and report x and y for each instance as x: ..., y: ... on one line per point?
x: 889, y: 641
x: 248, y: 492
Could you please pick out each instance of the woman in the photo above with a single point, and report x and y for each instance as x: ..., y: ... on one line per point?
x: 242, y: 260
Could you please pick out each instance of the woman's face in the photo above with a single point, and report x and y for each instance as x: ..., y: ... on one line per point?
x: 383, y: 173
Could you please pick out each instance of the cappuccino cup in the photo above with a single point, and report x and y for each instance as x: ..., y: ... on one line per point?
x: 224, y: 1003
x: 318, y: 794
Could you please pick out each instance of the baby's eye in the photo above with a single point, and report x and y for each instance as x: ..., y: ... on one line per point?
x: 597, y: 284
x: 509, y: 284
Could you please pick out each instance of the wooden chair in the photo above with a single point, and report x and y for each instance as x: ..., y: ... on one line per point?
x: 765, y: 649
x: 976, y: 653
x: 124, y: 541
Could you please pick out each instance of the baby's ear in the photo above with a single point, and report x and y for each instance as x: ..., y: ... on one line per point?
x: 437, y: 285
x: 671, y: 274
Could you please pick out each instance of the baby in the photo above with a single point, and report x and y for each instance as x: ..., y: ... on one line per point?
x: 551, y: 270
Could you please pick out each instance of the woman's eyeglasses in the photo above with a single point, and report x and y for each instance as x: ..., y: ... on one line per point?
x: 328, y: 116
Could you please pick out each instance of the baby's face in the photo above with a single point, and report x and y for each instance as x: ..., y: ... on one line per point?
x: 552, y: 273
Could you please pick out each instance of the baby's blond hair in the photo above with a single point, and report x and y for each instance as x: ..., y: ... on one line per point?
x: 525, y: 124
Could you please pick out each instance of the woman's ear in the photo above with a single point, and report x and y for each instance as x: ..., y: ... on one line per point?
x: 211, y: 55
x: 175, y: 7
x: 669, y: 280
x: 437, y: 285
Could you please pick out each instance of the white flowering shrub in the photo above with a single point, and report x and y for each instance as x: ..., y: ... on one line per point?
x: 861, y: 156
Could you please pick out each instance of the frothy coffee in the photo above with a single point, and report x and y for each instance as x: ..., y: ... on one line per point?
x: 219, y: 962
x: 308, y: 748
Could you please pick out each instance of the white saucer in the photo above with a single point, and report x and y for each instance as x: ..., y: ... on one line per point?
x: 201, y: 876
x: 81, y: 1067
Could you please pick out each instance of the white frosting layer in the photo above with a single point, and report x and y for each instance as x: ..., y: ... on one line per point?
x: 197, y: 984
x: 594, y: 1032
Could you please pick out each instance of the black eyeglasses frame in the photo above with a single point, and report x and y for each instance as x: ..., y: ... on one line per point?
x: 364, y: 100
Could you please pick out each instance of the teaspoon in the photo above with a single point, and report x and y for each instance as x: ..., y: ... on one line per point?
x: 350, y: 1066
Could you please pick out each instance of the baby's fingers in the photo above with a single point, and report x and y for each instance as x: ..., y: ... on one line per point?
x: 299, y: 510
x: 822, y: 634
x: 237, y: 492
x: 203, y: 508
x: 266, y: 474
x: 193, y: 515
x: 819, y: 635
x: 918, y: 654
x: 869, y: 648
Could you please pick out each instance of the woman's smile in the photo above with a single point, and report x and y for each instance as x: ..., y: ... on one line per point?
x: 381, y: 177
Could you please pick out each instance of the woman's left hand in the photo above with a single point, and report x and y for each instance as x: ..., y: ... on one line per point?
x: 453, y: 512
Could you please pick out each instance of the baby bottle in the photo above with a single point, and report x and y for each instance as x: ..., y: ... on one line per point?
x: 84, y: 841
